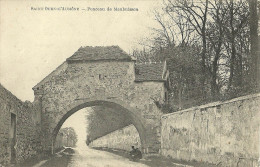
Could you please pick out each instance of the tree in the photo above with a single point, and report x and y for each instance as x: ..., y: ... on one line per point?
x: 215, y: 35
x: 214, y: 40
x: 236, y: 20
x: 70, y: 136
x: 185, y: 72
x: 254, y: 42
x: 197, y: 15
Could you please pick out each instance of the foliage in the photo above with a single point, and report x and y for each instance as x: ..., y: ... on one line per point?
x: 210, y: 48
x: 70, y: 134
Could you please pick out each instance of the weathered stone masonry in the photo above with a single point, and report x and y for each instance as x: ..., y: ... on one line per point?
x: 27, y: 128
x: 105, y: 120
x: 121, y: 139
x: 103, y: 76
x: 223, y: 133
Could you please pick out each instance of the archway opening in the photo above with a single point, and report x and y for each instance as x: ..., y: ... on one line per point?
x: 95, y: 124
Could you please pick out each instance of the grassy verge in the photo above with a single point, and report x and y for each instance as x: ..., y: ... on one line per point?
x: 30, y: 162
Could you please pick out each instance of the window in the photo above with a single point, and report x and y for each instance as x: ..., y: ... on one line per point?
x: 137, y: 71
x: 166, y: 96
x: 13, y: 137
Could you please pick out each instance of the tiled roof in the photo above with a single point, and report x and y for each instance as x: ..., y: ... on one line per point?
x: 90, y: 53
x: 154, y: 71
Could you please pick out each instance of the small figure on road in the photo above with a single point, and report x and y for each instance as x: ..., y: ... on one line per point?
x: 132, y: 152
x: 135, y: 154
x: 138, y: 153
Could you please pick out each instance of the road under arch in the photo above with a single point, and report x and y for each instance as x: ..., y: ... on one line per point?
x: 111, y: 118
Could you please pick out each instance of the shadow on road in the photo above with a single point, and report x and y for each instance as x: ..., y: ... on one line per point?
x: 158, y: 161
x: 60, y: 159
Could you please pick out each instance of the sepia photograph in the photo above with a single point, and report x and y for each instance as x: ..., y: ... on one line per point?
x: 129, y: 83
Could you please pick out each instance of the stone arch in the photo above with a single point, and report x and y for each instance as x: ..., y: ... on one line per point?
x: 118, y: 105
x: 109, y: 75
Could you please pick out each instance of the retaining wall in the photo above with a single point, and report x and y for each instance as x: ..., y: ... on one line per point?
x: 223, y: 133
x: 121, y: 139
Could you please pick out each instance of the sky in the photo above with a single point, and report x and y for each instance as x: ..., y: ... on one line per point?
x: 34, y: 43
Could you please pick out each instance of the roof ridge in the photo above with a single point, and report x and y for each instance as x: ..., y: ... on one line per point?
x: 94, y: 53
x: 149, y: 62
x: 150, y: 71
x: 99, y: 46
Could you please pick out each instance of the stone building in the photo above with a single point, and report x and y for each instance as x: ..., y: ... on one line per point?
x: 106, y: 78
x: 19, y: 129
x: 110, y: 78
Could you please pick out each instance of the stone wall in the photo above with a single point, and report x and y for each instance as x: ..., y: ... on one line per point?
x: 121, y: 139
x: 27, y: 128
x: 110, y: 84
x: 224, y: 133
x: 103, y: 120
